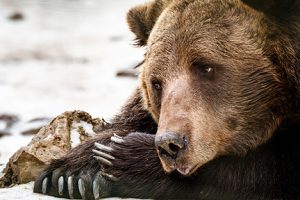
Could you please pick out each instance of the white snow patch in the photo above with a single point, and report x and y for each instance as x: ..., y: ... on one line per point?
x: 24, y: 192
x: 87, y: 127
x: 75, y: 134
x: 2, y: 125
x: 75, y: 138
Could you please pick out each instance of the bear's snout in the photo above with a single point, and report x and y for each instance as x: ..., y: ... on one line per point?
x: 170, y: 146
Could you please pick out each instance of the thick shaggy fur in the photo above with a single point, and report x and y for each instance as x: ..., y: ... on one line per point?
x: 272, y: 171
x: 224, y: 75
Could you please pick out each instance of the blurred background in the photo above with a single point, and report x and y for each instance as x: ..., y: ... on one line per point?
x: 60, y: 55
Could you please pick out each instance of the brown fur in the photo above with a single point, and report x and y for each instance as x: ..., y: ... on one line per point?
x: 241, y: 106
x: 223, y: 75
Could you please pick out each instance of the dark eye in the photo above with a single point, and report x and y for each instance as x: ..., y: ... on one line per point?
x: 206, y: 71
x: 156, y: 85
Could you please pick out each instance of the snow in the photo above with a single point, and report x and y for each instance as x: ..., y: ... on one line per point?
x: 63, y: 56
x: 2, y: 125
x: 75, y: 135
x: 24, y: 192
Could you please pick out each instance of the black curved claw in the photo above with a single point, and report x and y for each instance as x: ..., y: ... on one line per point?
x: 102, y: 154
x: 82, y: 186
x: 52, y: 183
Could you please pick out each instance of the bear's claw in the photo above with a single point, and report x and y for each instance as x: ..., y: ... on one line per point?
x: 96, y: 187
x: 86, y: 184
x: 103, y: 147
x: 60, y: 185
x: 100, y: 185
x: 44, y: 185
x: 70, y: 187
x: 117, y: 139
x: 103, y: 156
x: 81, y: 188
x: 101, y: 151
x: 103, y: 160
x: 62, y: 181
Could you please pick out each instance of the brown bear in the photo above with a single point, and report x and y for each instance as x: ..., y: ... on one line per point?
x: 216, y: 115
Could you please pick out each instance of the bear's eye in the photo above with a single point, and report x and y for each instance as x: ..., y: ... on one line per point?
x: 156, y: 85
x: 206, y: 71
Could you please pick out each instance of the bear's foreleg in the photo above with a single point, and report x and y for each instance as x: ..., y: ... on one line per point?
x: 72, y: 176
x: 134, y: 164
x: 78, y: 174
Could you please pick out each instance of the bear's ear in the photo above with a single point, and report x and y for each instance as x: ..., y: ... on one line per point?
x: 141, y: 19
x: 276, y: 8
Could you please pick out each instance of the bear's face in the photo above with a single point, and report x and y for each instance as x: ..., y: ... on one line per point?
x: 209, y: 84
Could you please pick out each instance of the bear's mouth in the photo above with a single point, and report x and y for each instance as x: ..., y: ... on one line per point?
x: 186, y: 170
x: 183, y: 169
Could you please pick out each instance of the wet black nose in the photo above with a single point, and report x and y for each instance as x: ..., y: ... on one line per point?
x: 170, y: 144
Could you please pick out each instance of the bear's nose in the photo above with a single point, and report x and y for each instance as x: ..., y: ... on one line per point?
x: 170, y: 144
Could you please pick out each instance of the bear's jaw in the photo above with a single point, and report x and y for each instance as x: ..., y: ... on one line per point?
x: 186, y: 170
x: 183, y: 169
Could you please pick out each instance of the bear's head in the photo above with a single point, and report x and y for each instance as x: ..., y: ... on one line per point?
x: 219, y: 76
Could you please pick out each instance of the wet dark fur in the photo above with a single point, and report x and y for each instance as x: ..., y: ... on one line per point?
x: 271, y: 171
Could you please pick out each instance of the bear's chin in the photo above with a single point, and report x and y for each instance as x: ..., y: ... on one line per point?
x: 187, y: 170
x: 184, y: 169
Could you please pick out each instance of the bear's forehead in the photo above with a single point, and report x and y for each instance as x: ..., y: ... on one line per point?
x: 183, y: 13
x: 194, y: 27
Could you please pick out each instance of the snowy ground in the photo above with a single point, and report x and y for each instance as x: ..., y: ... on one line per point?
x: 62, y: 56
